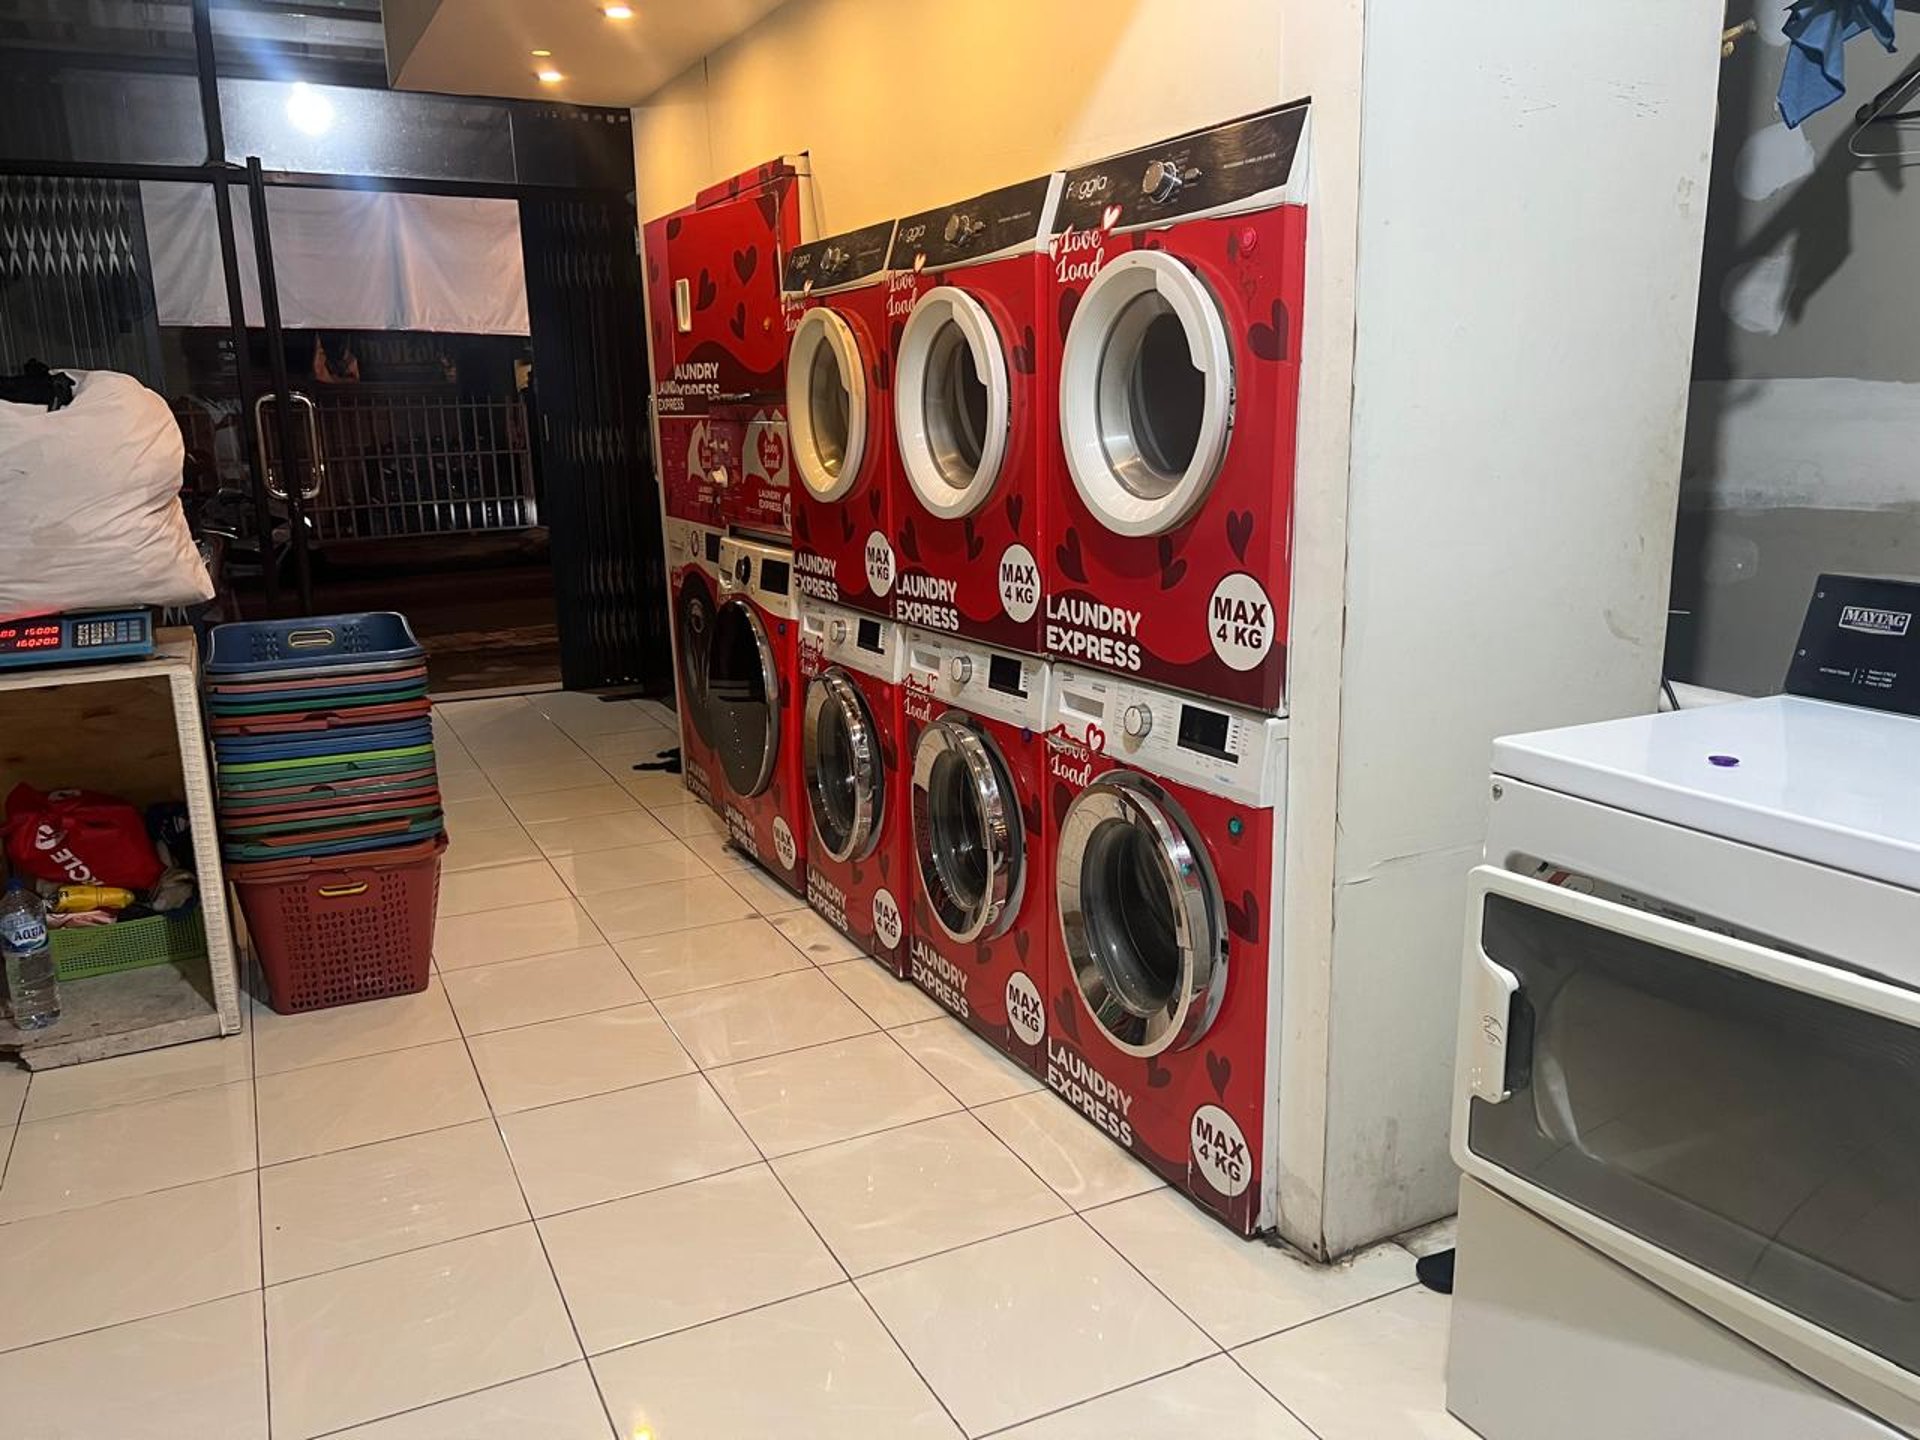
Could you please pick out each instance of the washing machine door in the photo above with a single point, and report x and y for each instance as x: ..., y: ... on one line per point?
x: 743, y: 698
x: 826, y: 403
x: 846, y: 780
x: 693, y: 615
x: 951, y: 404
x: 1141, y: 913
x: 967, y: 832
x: 1146, y: 393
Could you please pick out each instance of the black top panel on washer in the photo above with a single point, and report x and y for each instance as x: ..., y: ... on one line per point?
x: 1860, y: 644
x: 838, y: 259
x: 1184, y: 175
x: 1003, y: 219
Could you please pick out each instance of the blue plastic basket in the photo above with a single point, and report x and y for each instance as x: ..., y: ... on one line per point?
x: 311, y: 642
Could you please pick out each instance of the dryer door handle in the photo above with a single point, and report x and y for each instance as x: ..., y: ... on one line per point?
x: 1494, y: 987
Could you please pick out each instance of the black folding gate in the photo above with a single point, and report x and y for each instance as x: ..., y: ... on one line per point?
x: 75, y: 274
x: 593, y: 443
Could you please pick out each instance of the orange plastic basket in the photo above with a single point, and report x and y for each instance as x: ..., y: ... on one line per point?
x: 338, y: 929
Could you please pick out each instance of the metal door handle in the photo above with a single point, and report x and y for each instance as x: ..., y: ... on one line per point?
x: 260, y: 442
x: 316, y: 462
x: 316, y: 459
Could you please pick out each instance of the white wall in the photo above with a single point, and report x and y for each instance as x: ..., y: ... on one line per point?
x: 1530, y: 235
x: 907, y: 104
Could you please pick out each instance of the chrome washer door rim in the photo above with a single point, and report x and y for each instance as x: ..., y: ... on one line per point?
x: 770, y: 688
x: 1132, y: 1019
x: 834, y: 691
x: 952, y: 740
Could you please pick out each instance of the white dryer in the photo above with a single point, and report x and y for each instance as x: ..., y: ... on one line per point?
x: 1688, y: 1101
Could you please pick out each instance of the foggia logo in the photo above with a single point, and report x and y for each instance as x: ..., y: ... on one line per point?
x: 1875, y: 622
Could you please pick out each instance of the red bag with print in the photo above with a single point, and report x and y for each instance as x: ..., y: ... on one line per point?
x: 76, y: 837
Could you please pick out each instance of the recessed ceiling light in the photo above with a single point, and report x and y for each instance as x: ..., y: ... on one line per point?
x: 548, y: 76
x: 617, y: 12
x: 541, y: 54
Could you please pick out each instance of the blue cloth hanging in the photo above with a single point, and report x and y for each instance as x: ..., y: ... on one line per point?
x: 1818, y: 31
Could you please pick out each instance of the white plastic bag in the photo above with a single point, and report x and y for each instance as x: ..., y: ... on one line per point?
x: 90, y: 513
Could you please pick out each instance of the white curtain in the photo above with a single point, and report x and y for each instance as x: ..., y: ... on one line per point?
x: 345, y: 260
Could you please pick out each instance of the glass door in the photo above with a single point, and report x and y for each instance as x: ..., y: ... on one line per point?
x: 1142, y: 915
x: 845, y: 787
x: 968, y: 834
x: 1716, y: 1113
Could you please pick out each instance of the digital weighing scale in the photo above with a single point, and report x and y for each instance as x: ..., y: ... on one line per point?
x: 84, y: 636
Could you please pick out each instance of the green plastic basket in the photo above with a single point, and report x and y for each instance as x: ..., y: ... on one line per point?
x: 84, y: 951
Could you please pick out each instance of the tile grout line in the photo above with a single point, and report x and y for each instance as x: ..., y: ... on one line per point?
x: 539, y: 1236
x: 1327, y: 1315
x: 448, y: 1400
x: 1073, y: 1405
x: 260, y: 1204
x: 833, y: 1255
x: 1267, y: 1390
x: 133, y: 1320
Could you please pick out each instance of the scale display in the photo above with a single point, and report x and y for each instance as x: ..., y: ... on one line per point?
x: 62, y: 639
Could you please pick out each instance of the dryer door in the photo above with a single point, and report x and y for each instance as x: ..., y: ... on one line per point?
x: 826, y: 403
x: 693, y: 614
x: 1146, y: 393
x: 743, y: 698
x: 951, y: 404
x: 968, y: 837
x: 1738, y: 1124
x: 1141, y: 913
x: 846, y: 781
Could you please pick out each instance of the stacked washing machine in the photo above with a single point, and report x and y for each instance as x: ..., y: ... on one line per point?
x: 973, y: 405
x: 1177, y: 279
x: 719, y: 370
x: 834, y: 301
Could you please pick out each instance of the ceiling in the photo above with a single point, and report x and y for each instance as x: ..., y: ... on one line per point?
x: 484, y: 47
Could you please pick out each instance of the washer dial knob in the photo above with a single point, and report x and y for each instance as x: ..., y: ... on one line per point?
x: 837, y: 631
x: 1137, y: 721
x: 960, y: 667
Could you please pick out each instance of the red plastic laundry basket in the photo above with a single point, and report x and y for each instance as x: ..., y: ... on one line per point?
x: 337, y: 929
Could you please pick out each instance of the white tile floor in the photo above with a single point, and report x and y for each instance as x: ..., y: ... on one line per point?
x: 657, y: 1155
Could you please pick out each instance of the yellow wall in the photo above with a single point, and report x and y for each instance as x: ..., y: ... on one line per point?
x: 907, y: 104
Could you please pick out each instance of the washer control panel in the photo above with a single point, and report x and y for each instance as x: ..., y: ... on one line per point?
x: 854, y: 641
x: 762, y: 572
x: 1001, y: 685
x: 1207, y: 744
x: 691, y: 543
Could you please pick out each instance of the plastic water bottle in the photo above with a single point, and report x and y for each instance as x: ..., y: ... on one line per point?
x: 31, y: 987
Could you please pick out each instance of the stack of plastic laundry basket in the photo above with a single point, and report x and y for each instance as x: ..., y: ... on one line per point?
x: 329, y: 803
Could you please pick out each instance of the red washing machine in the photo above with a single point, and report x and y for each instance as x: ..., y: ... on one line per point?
x: 856, y: 794
x: 718, y: 348
x: 1167, y: 818
x: 975, y: 382
x: 1178, y: 273
x: 693, y: 580
x: 982, y: 894
x: 838, y: 371
x: 754, y: 701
